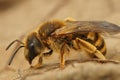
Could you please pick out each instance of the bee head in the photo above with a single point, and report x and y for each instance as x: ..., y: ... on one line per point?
x: 32, y: 47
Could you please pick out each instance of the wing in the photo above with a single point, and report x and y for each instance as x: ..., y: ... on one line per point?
x: 82, y: 27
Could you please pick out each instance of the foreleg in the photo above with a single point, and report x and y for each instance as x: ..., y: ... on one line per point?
x: 38, y: 65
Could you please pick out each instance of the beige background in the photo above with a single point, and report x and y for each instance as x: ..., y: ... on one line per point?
x: 20, y: 17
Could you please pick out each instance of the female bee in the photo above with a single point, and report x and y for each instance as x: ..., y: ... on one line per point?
x: 61, y: 36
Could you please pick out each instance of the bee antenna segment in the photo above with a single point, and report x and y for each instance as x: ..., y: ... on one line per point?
x: 11, y: 59
x: 13, y: 43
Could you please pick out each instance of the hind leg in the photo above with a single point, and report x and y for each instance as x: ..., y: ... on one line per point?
x: 90, y: 48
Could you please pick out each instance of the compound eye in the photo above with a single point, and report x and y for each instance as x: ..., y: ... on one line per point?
x: 32, y: 53
x: 31, y: 46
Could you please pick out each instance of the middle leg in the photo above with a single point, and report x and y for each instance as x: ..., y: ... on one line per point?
x: 63, y: 50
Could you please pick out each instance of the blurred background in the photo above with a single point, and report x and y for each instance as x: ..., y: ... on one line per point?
x: 18, y: 17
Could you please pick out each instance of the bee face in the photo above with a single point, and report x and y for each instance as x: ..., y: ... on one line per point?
x: 33, y: 47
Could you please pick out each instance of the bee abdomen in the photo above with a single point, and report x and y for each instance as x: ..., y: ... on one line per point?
x: 97, y: 41
x: 102, y: 47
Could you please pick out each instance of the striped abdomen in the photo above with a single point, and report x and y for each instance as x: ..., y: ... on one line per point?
x: 97, y: 40
x: 89, y: 39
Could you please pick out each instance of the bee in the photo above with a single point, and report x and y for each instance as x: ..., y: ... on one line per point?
x: 61, y: 36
